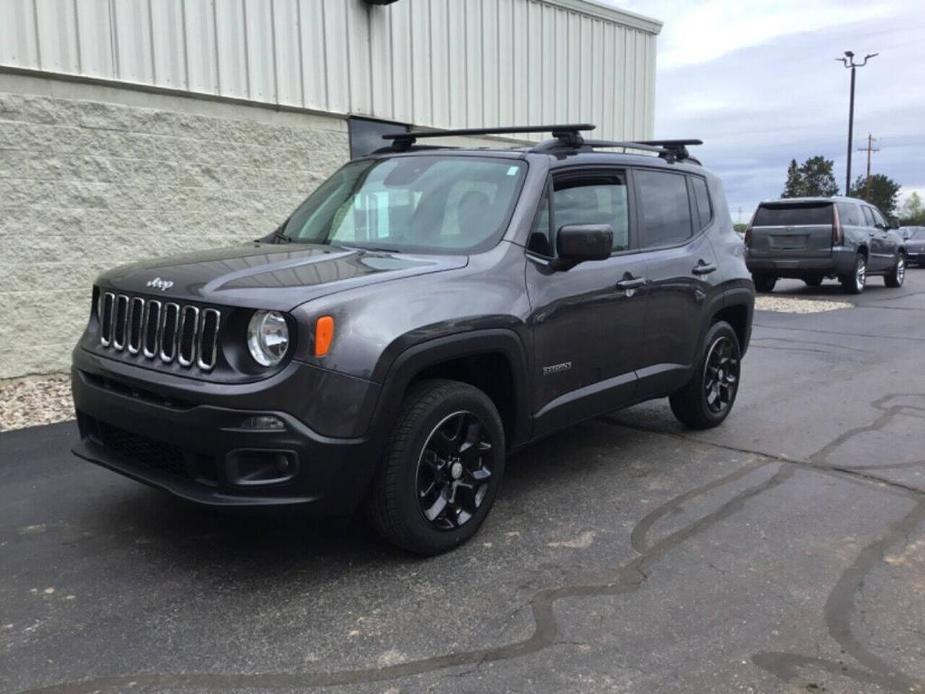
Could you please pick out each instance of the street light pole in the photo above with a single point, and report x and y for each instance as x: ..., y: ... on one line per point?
x: 848, y: 62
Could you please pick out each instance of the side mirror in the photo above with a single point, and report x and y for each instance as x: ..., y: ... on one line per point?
x: 576, y: 243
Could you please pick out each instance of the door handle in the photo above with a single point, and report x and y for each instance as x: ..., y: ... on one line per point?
x: 702, y: 268
x: 630, y: 282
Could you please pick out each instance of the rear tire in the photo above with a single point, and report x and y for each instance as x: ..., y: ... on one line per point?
x: 442, y: 468
x: 708, y: 397
x: 854, y: 282
x: 764, y: 283
x: 895, y: 277
x: 812, y: 281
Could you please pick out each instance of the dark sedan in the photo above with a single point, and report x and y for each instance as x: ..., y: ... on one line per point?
x: 914, y: 238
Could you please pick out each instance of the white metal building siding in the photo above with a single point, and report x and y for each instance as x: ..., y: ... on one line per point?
x: 441, y: 63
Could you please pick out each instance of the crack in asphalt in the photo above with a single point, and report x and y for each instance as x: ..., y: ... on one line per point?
x: 839, y: 332
x: 625, y: 579
x: 628, y: 578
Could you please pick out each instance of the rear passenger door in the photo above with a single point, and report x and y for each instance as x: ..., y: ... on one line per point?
x: 674, y: 211
x: 887, y: 240
x: 876, y: 257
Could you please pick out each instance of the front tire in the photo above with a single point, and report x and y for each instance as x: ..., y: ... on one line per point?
x: 442, y: 468
x: 895, y: 277
x: 854, y: 282
x: 706, y: 400
x: 764, y: 283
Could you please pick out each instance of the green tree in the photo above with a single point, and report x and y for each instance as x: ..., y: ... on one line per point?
x: 813, y: 178
x: 912, y: 213
x: 880, y: 191
x: 794, y: 181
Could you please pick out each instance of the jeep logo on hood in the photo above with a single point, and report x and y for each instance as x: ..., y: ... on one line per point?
x: 158, y: 283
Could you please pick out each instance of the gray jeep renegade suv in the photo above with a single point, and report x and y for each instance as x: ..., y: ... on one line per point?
x: 423, y: 313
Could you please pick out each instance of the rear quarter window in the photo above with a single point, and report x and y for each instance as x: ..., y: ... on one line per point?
x: 702, y: 198
x: 850, y: 215
x: 793, y: 215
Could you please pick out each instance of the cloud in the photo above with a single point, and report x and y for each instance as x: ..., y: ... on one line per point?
x: 758, y: 83
x: 699, y: 32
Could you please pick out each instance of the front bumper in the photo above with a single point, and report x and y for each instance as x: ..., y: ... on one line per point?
x: 200, y: 452
x: 916, y: 256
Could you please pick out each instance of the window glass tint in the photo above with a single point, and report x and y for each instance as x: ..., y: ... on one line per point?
x: 665, y: 208
x: 849, y: 215
x: 594, y: 200
x: 793, y: 215
x: 878, y: 218
x: 415, y: 203
x: 868, y: 216
x: 704, y: 208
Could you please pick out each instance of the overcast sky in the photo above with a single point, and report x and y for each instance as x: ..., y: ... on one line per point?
x: 758, y: 83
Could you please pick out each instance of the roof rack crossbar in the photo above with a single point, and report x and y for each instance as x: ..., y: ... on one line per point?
x: 675, y: 149
x: 567, y: 134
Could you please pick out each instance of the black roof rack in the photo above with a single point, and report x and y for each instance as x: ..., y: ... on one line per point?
x: 565, y: 137
x: 552, y: 145
x: 677, y: 149
x: 669, y: 150
x: 568, y: 135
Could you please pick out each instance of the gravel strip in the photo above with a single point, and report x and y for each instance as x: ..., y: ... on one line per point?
x: 789, y: 304
x: 35, y: 400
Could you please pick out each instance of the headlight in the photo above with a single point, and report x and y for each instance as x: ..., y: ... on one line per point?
x: 267, y: 337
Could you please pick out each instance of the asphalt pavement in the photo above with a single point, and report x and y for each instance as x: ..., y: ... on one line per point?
x: 782, y: 551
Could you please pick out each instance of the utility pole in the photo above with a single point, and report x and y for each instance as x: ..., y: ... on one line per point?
x: 869, y: 149
x: 848, y: 62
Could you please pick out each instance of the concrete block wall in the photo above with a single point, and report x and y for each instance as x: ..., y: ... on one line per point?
x: 95, y: 176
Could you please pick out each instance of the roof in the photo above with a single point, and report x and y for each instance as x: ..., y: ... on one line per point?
x: 608, y: 12
x: 817, y: 199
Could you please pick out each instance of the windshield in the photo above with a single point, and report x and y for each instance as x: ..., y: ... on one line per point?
x: 423, y: 204
x: 917, y: 233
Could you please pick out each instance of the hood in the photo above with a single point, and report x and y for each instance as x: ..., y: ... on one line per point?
x: 269, y: 275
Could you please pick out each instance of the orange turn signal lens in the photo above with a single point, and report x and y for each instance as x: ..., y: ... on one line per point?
x: 324, y: 333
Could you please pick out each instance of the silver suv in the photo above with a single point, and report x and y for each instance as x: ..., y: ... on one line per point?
x: 814, y: 238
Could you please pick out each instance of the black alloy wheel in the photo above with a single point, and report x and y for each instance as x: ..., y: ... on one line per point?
x: 453, y: 471
x: 707, y: 398
x: 721, y: 375
x: 441, y: 469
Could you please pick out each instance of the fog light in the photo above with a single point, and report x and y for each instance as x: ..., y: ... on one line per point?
x: 263, y: 423
x: 247, y: 467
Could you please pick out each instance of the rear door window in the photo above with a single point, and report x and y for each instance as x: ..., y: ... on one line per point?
x: 793, y: 215
x: 665, y: 209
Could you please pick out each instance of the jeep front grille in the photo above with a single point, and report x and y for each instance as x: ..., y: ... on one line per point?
x: 159, y: 330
